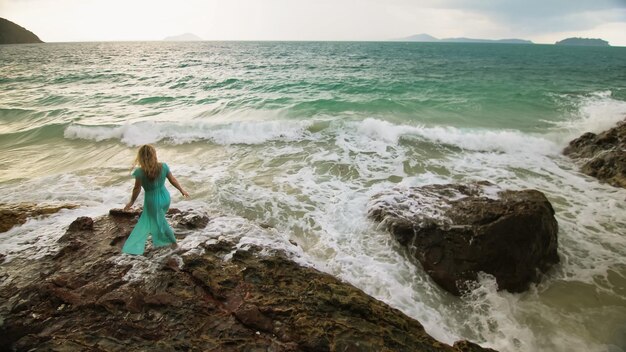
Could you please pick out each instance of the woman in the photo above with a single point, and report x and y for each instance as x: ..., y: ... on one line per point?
x: 151, y: 176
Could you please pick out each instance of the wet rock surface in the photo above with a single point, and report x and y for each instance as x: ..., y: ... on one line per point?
x: 456, y: 231
x: 603, y: 155
x: 17, y: 214
x: 217, y: 295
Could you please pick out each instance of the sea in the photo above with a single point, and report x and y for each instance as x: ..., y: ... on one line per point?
x: 298, y: 136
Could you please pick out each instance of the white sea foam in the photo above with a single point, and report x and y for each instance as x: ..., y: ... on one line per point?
x: 504, y: 321
x: 322, y: 203
x: 38, y: 236
x: 595, y: 113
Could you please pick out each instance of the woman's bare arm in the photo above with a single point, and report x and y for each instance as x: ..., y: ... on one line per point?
x: 175, y: 183
x: 135, y: 194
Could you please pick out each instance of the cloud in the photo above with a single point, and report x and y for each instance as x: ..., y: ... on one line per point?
x: 539, y: 16
x: 611, y: 32
x: 529, y: 8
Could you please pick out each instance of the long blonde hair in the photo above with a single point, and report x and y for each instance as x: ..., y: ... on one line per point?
x: 147, y: 159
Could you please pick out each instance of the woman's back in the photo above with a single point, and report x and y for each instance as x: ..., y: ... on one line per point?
x: 150, y: 185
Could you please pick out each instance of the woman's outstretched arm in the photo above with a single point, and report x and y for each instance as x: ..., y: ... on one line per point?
x: 135, y: 194
x: 175, y: 183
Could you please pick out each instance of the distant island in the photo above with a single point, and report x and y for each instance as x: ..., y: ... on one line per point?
x: 429, y: 39
x: 583, y: 42
x: 187, y: 37
x: 11, y: 33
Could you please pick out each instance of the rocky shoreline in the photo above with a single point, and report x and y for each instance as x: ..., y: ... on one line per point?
x: 214, y: 294
x: 17, y: 214
x: 603, y: 155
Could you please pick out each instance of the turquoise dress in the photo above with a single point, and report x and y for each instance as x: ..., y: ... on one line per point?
x: 152, y: 220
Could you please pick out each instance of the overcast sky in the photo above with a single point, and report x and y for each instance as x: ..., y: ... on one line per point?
x: 542, y: 21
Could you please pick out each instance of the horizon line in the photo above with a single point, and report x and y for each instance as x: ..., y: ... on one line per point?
x: 399, y: 40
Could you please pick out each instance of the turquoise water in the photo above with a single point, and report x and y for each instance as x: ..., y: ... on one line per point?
x: 299, y: 135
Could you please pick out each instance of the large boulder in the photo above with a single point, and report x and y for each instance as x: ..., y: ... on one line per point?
x: 603, y: 155
x: 456, y: 231
x: 212, y: 293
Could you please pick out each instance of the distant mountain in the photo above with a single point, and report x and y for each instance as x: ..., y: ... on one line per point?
x: 11, y: 33
x: 187, y: 37
x: 429, y: 38
x: 583, y: 42
x: 419, y: 38
x: 470, y: 40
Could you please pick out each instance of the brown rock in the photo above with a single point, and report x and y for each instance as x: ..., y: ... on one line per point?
x: 466, y: 346
x: 249, y: 315
x: 83, y: 223
x: 190, y: 301
x: 17, y: 214
x: 190, y: 220
x: 125, y: 213
x: 457, y: 231
x: 603, y: 155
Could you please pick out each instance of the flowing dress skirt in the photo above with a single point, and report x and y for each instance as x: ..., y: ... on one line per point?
x: 151, y: 222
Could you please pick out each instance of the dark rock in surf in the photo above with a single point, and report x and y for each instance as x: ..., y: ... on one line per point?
x: 603, y: 155
x: 17, y: 214
x: 218, y: 296
x: 466, y: 346
x: 190, y: 220
x: 456, y: 231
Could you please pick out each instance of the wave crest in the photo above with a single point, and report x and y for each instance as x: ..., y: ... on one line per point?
x: 252, y: 132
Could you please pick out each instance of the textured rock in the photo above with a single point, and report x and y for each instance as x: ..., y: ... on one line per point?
x: 17, y: 214
x: 190, y: 220
x: 193, y: 300
x: 82, y: 223
x: 187, y: 220
x: 603, y: 155
x: 457, y: 231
